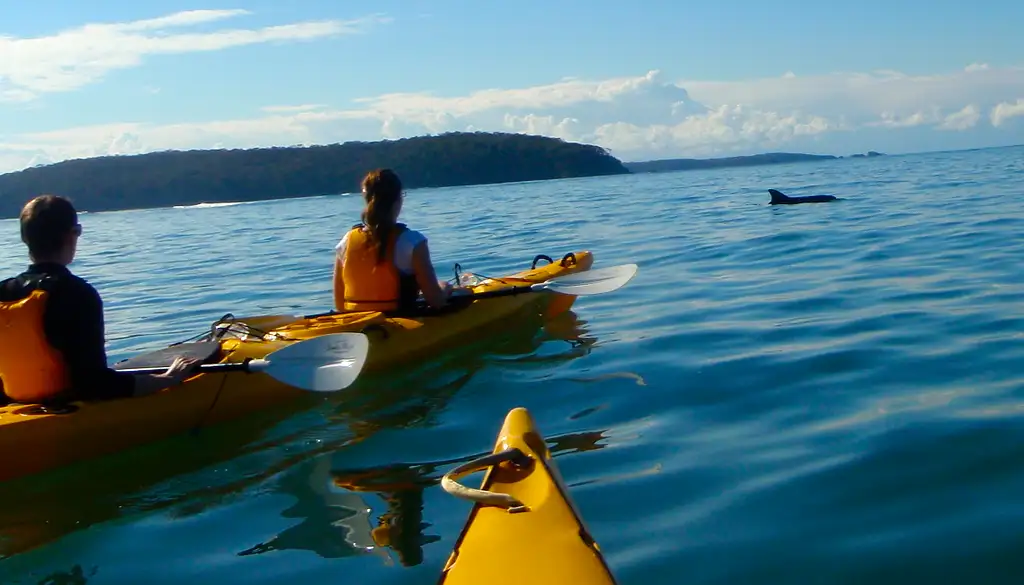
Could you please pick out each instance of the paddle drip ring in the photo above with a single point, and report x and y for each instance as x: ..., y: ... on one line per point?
x: 512, y: 505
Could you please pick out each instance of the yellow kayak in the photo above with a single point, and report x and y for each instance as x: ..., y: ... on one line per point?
x: 35, y: 439
x: 524, y: 527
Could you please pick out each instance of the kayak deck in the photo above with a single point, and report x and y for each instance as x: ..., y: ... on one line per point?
x: 524, y: 527
x: 35, y: 439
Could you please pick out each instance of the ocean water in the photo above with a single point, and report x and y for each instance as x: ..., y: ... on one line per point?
x: 822, y: 393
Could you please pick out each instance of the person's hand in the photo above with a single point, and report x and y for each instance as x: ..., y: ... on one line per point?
x: 456, y: 292
x: 181, y: 368
x: 446, y: 287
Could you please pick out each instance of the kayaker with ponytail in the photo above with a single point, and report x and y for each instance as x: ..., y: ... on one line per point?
x: 380, y: 264
x: 51, y: 321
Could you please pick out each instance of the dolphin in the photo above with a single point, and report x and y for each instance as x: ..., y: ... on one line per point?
x: 780, y: 198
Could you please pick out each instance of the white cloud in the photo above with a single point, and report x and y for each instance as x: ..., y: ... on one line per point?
x: 125, y: 143
x: 15, y: 95
x: 564, y: 128
x: 963, y: 120
x: 303, y: 127
x: 185, y: 18
x: 720, y: 131
x: 645, y: 96
x: 866, y: 96
x: 291, y: 109
x: 892, y: 119
x: 645, y: 116
x: 79, y: 56
x: 1005, y: 110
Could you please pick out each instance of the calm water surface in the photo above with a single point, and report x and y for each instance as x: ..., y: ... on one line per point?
x: 826, y: 393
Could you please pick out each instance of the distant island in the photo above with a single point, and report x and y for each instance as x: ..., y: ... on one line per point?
x: 163, y: 179
x: 770, y: 158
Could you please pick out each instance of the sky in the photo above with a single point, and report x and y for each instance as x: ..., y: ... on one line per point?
x: 646, y: 79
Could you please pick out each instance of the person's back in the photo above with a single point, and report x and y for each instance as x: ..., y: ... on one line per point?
x: 380, y: 264
x: 42, y: 319
x: 51, y: 321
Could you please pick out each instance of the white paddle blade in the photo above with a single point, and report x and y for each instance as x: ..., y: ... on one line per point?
x: 591, y: 282
x: 320, y: 364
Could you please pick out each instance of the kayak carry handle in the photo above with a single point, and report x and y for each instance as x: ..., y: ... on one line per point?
x: 453, y: 487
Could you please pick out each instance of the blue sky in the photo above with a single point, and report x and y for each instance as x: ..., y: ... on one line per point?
x: 651, y: 79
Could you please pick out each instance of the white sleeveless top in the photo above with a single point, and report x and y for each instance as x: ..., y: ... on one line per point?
x: 407, y: 241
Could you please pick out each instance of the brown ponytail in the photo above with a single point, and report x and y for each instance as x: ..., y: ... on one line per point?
x: 382, y: 190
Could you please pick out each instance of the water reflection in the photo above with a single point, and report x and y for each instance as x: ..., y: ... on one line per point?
x: 334, y: 523
x: 194, y: 473
x: 401, y: 527
x: 336, y: 518
x: 75, y: 576
x: 39, y: 509
x: 335, y: 515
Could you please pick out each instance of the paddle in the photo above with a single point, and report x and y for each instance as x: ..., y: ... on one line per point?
x: 589, y: 282
x: 320, y: 364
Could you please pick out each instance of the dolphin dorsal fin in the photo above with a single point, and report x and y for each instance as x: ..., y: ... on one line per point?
x: 777, y: 196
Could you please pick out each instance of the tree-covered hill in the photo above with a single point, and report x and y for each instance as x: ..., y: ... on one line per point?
x: 162, y: 179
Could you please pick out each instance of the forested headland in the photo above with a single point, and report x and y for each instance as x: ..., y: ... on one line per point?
x: 162, y: 179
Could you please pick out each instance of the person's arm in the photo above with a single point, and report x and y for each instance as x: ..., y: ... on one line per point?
x: 75, y: 326
x: 426, y: 278
x: 339, y: 286
x: 338, y: 277
x: 178, y: 372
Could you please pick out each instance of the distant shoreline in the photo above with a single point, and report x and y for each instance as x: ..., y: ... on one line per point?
x: 769, y: 158
x: 192, y: 177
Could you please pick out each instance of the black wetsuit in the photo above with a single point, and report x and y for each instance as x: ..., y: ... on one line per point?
x: 73, y: 324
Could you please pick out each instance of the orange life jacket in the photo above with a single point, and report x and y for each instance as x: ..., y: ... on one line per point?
x: 30, y: 368
x: 373, y: 285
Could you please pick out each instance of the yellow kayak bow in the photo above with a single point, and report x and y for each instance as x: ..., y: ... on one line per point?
x: 524, y: 527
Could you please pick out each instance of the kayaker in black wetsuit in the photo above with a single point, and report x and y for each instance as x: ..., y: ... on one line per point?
x: 52, y: 344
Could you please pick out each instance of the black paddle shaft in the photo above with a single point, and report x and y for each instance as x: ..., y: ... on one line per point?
x: 205, y: 368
